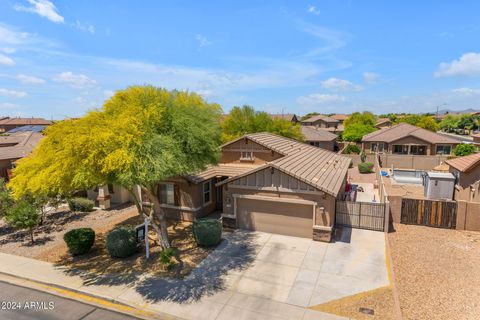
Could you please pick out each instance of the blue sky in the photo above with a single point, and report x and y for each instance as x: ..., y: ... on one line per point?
x: 62, y: 58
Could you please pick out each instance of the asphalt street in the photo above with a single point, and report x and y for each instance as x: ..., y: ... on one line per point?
x: 19, y: 303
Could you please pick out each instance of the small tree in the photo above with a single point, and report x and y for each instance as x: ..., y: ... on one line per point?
x: 464, y: 149
x: 23, y: 215
x: 6, y: 200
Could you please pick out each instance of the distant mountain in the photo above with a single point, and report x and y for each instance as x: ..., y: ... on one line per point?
x: 445, y: 111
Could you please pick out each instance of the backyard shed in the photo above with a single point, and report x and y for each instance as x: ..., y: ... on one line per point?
x: 439, y: 185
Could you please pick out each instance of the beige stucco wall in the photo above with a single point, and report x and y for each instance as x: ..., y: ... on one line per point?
x: 468, y: 216
x: 467, y: 185
x: 411, y: 161
x: 431, y: 148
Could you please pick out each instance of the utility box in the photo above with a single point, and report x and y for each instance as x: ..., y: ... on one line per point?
x: 439, y: 185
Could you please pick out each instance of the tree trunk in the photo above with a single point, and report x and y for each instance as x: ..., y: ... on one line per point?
x: 31, y: 236
x: 158, y: 218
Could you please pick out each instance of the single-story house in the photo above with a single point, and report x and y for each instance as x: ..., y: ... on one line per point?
x: 286, y: 116
x: 383, y: 123
x: 467, y: 173
x: 319, y: 138
x: 264, y: 182
x: 15, y: 146
x: 405, y: 138
x: 7, y: 124
x: 340, y: 117
x: 325, y: 123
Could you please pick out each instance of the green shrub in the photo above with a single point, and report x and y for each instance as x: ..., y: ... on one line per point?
x: 167, y: 257
x: 79, y: 241
x: 464, y: 149
x: 23, y: 215
x: 121, y: 242
x: 363, y: 157
x: 80, y: 204
x: 365, y: 167
x: 207, y: 232
x: 352, y: 149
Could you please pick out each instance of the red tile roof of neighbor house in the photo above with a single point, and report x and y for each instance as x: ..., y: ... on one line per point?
x: 320, y: 168
x: 466, y: 163
x: 317, y: 134
x: 321, y: 117
x: 26, y: 142
x: 403, y: 130
x: 25, y: 121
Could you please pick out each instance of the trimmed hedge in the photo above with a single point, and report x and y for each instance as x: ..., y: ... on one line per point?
x: 365, y: 167
x: 207, y: 232
x: 80, y: 204
x: 121, y: 242
x: 79, y: 241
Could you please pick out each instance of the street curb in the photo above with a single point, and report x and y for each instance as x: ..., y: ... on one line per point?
x: 110, y: 304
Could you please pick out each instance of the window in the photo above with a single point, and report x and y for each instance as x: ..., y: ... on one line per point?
x: 246, y: 156
x: 167, y: 193
x: 400, y: 149
x: 378, y: 147
x: 418, y: 150
x: 207, y: 193
x: 444, y: 149
x: 111, y: 189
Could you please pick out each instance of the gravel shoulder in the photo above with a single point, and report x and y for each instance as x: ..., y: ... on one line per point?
x: 437, y: 272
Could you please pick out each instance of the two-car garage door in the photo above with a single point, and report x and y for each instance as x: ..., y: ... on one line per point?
x: 287, y: 218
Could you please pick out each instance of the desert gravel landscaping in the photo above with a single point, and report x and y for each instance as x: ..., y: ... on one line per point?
x: 437, y: 272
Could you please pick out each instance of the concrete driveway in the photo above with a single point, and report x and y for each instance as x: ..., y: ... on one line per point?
x: 254, y: 275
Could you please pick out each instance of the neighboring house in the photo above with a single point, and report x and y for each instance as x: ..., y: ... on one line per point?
x: 383, y: 123
x: 7, y: 124
x: 15, y: 146
x: 476, y: 138
x: 467, y: 173
x: 404, y: 138
x: 340, y: 117
x: 325, y: 123
x: 319, y: 138
x: 287, y: 116
x: 264, y: 182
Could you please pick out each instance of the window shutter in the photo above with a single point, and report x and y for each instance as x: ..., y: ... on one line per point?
x: 176, y: 194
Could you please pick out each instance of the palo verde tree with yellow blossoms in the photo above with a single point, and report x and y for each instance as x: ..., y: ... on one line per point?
x: 141, y: 135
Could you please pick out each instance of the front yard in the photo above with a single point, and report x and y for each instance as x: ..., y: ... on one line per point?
x: 50, y: 247
x: 437, y: 272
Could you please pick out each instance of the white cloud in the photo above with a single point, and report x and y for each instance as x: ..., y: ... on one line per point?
x: 315, y: 99
x: 202, y: 40
x: 12, y: 93
x: 43, y: 8
x: 108, y: 93
x: 467, y: 91
x: 84, y: 27
x: 370, y: 77
x: 331, y: 39
x: 335, y: 84
x: 5, y: 60
x: 9, y: 36
x: 313, y: 10
x: 8, y: 105
x: 467, y: 65
x: 29, y: 79
x: 78, y: 81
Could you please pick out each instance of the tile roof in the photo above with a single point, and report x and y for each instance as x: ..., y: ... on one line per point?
x: 382, y: 121
x: 35, y: 128
x: 316, y: 134
x: 339, y: 116
x: 322, y: 169
x: 466, y: 163
x: 403, y: 130
x: 220, y: 170
x: 24, y: 121
x: 23, y: 148
x: 322, y: 118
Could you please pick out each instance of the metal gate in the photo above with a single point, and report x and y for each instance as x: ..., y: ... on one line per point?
x: 363, y: 215
x: 431, y: 213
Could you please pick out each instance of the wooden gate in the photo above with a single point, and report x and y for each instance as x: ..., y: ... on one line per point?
x: 363, y: 215
x: 432, y: 213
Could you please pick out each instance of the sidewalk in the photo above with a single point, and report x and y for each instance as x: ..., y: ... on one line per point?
x: 189, y: 298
